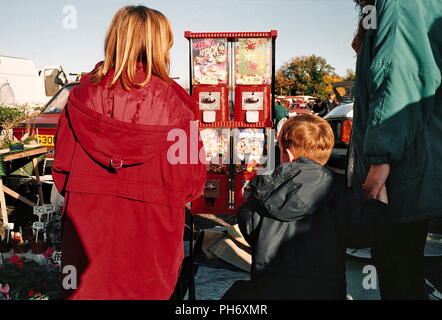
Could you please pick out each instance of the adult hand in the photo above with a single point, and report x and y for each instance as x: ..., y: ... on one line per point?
x: 376, y: 179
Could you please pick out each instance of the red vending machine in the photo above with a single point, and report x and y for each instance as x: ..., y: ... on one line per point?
x: 232, y: 75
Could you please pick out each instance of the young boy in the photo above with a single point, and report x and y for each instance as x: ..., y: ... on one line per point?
x: 300, y: 220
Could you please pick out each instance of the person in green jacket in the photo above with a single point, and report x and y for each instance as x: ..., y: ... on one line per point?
x: 397, y: 132
x: 281, y: 112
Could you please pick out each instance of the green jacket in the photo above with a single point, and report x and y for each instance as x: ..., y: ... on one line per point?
x: 398, y: 107
x: 281, y: 112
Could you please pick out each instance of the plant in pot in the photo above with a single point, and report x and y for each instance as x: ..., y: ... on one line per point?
x: 39, y: 245
x: 11, y: 117
x: 39, y: 240
x: 19, y: 245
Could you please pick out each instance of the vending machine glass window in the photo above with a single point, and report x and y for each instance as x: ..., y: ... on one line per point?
x: 249, y: 147
x: 217, y: 146
x: 210, y: 61
x: 253, y: 60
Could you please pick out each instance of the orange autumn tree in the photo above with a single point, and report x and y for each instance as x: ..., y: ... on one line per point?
x: 307, y: 75
x: 330, y: 79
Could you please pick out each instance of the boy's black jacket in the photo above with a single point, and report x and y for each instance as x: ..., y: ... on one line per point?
x: 298, y: 222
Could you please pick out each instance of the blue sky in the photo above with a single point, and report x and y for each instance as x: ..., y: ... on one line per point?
x: 34, y: 29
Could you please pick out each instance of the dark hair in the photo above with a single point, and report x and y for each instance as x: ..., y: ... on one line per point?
x: 360, y: 4
x: 359, y: 37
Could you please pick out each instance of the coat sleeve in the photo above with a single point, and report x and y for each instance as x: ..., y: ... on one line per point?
x: 249, y: 220
x: 65, y: 145
x: 186, y: 175
x: 404, y: 77
x: 360, y: 221
x: 197, y: 175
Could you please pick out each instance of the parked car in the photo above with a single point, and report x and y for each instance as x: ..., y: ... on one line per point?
x: 341, y: 121
x: 44, y: 126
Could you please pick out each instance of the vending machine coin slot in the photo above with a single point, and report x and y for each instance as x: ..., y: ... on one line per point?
x: 210, y: 102
x: 253, y: 104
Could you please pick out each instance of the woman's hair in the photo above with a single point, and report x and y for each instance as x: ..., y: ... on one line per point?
x: 360, y: 34
x: 136, y: 35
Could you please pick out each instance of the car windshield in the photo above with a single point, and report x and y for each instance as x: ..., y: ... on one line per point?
x: 57, y: 103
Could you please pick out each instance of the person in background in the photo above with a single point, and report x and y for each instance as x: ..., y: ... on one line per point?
x: 330, y: 103
x: 281, y: 112
x: 397, y: 130
x: 319, y: 108
x: 124, y: 195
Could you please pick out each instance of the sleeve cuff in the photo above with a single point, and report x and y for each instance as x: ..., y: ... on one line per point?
x: 379, y: 160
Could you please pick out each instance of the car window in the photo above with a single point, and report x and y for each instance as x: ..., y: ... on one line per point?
x: 57, y: 103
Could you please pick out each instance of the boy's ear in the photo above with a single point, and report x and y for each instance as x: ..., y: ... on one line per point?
x: 291, y: 155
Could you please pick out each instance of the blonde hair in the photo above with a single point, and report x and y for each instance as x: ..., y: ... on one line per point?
x: 308, y: 136
x: 137, y: 34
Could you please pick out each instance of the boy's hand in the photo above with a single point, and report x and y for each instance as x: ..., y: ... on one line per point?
x: 376, y: 179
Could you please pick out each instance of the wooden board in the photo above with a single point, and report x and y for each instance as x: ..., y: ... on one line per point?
x: 24, y: 154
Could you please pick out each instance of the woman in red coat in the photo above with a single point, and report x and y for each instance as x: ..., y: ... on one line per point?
x: 124, y: 190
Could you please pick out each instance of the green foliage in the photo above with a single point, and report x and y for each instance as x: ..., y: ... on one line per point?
x: 351, y: 75
x: 30, y: 277
x: 10, y: 115
x: 304, y: 76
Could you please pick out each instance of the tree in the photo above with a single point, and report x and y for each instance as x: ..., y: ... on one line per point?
x: 351, y: 75
x: 306, y: 75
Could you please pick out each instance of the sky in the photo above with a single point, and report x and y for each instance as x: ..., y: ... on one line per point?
x: 35, y: 29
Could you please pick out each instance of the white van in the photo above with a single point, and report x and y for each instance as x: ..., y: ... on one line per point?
x: 20, y: 83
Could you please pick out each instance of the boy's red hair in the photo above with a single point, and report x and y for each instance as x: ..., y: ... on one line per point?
x: 308, y: 136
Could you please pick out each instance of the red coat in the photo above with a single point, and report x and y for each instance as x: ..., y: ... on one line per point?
x: 123, y: 228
